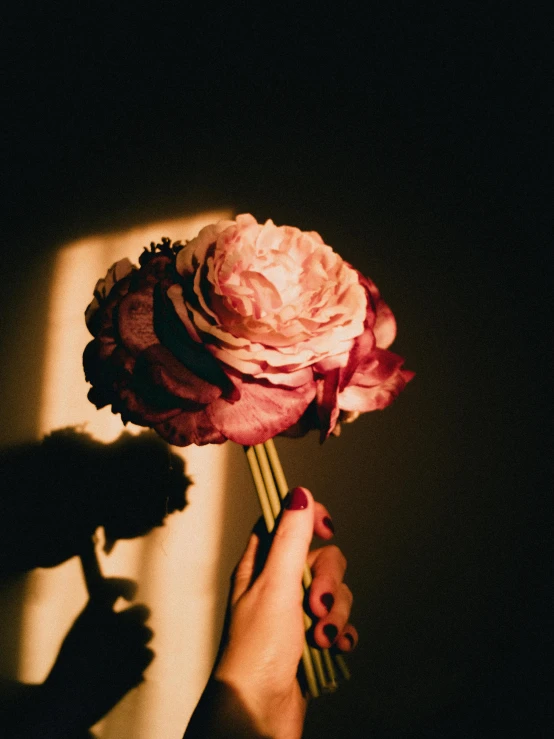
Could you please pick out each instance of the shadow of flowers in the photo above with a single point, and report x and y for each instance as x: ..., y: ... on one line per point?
x: 55, y: 494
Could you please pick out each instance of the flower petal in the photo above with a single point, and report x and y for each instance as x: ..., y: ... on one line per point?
x: 134, y: 407
x: 385, y: 326
x: 261, y: 413
x: 376, y: 368
x: 165, y: 371
x: 327, y: 402
x: 115, y: 274
x: 135, y: 320
x: 380, y: 318
x: 361, y: 350
x: 364, y: 398
x: 190, y: 428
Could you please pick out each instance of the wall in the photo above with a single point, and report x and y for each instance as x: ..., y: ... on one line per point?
x: 413, y: 143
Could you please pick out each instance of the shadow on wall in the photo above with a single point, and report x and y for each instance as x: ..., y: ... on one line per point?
x: 56, y: 494
x: 58, y: 491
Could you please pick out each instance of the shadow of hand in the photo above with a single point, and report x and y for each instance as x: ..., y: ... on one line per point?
x: 103, y: 656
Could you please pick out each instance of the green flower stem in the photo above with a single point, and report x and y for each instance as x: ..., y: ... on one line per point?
x: 269, y: 482
x: 260, y: 488
x: 343, y: 667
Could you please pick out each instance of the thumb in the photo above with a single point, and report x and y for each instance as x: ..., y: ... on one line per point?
x: 291, y: 542
x: 110, y: 589
x: 244, y: 571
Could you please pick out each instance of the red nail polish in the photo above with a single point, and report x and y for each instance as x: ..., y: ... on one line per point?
x: 297, y: 500
x: 330, y: 631
x: 327, y: 599
x: 328, y: 523
x: 349, y: 638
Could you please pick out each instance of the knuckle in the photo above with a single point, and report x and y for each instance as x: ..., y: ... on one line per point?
x: 338, y: 556
x: 240, y: 573
x: 348, y: 594
x: 285, y: 536
x: 283, y: 532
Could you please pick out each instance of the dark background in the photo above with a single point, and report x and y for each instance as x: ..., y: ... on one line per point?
x: 413, y: 137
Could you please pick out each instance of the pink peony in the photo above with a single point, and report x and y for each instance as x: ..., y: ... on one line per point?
x: 247, y: 331
x: 272, y: 302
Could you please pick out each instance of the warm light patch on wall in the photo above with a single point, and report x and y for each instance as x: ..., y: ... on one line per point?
x: 175, y: 565
x: 78, y: 267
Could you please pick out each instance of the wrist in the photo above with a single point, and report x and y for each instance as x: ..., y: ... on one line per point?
x: 273, y: 711
x: 222, y: 714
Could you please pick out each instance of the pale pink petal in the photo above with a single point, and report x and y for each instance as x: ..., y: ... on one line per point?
x: 291, y: 378
x: 269, y: 236
x: 385, y: 326
x: 268, y: 295
x: 199, y: 280
x: 376, y: 368
x: 364, y: 399
x: 379, y: 316
x: 194, y: 251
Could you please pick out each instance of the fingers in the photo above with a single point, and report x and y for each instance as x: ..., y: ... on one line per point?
x: 347, y: 641
x: 291, y: 542
x: 333, y: 625
x: 247, y: 568
x: 133, y: 635
x: 330, y: 600
x: 137, y: 614
x: 323, y: 523
x: 328, y: 566
x: 112, y: 588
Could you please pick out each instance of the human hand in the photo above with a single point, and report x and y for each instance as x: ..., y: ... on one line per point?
x: 259, y: 663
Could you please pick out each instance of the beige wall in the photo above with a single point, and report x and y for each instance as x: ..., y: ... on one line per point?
x: 181, y: 569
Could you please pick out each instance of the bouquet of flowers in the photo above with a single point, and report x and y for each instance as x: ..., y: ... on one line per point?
x: 245, y: 332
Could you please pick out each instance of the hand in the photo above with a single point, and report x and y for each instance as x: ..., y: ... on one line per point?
x: 256, y: 674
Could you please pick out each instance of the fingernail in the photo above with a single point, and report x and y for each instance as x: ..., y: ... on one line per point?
x: 328, y: 523
x: 327, y: 599
x: 330, y: 631
x: 297, y: 500
x: 349, y: 638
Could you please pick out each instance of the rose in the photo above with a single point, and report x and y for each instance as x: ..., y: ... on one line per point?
x: 132, y: 370
x: 246, y: 332
x: 273, y: 303
x: 277, y: 303
x: 373, y: 377
x: 371, y: 380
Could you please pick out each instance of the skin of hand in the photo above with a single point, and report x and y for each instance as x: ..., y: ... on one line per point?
x: 266, y: 631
